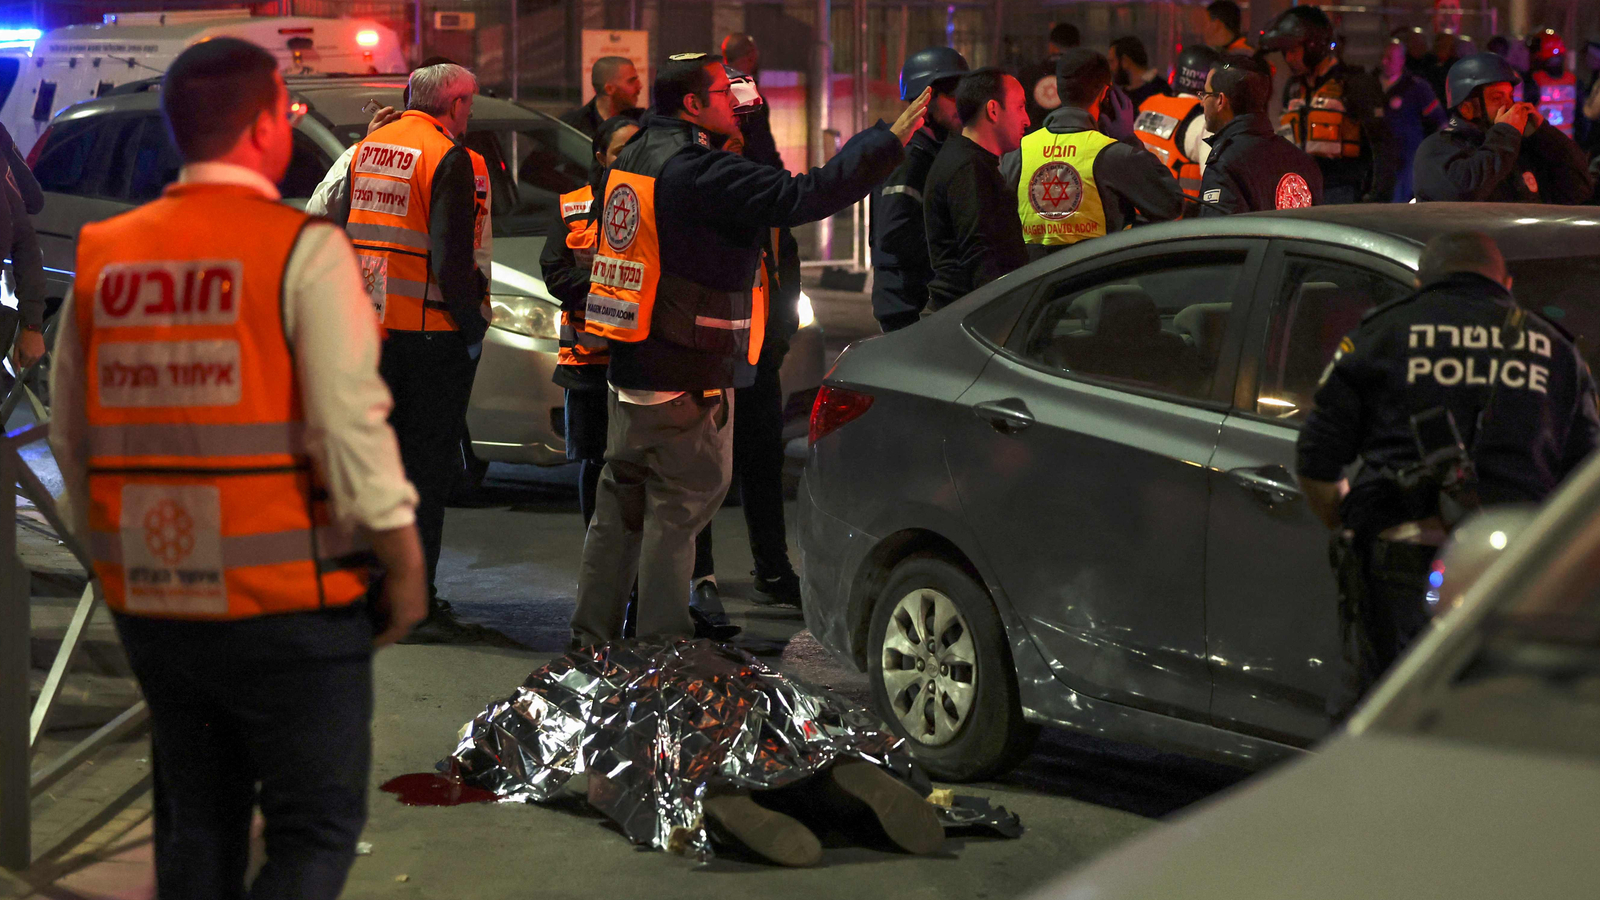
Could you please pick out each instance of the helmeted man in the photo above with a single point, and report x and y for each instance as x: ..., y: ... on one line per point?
x: 418, y: 216
x: 1325, y: 103
x: 1496, y: 148
x: 1550, y: 86
x: 900, y: 267
x: 219, y: 425
x: 1174, y: 128
x: 1451, y: 398
x: 1086, y: 174
x: 1251, y: 168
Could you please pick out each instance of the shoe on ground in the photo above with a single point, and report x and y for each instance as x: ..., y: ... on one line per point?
x: 771, y: 835
x: 784, y: 590
x: 862, y: 794
x: 442, y: 627
x: 705, y: 626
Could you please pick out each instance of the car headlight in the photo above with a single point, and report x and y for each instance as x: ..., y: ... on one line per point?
x: 807, y: 316
x: 522, y: 314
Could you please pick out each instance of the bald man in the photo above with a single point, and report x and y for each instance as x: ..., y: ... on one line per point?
x: 616, y: 85
x: 741, y: 52
x: 1457, y: 357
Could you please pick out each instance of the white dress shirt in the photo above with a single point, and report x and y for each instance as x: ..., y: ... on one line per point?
x: 333, y: 333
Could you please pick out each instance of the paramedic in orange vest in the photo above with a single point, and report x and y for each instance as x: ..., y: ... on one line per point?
x: 1085, y: 174
x: 219, y: 424
x: 676, y: 287
x: 1550, y: 85
x: 1174, y: 127
x: 418, y: 212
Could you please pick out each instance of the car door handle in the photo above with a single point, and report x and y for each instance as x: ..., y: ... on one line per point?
x: 1272, y: 484
x: 1008, y: 416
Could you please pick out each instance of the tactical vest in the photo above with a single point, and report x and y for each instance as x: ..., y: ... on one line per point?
x: 1057, y: 197
x: 631, y: 297
x: 391, y: 199
x: 579, y: 347
x: 1556, y: 97
x: 1160, y: 128
x: 1321, y: 125
x: 203, y: 503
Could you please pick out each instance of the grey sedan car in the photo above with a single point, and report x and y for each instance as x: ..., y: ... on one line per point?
x: 103, y: 156
x: 1067, y: 499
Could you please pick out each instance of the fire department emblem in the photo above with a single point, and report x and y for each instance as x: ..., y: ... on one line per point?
x: 1055, y: 191
x: 622, y: 217
x: 169, y: 532
x: 1293, y: 192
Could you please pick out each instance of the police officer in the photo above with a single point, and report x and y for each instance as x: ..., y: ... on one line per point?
x: 673, y: 287
x: 1410, y: 111
x: 1450, y: 398
x: 1550, y: 86
x: 1325, y: 103
x: 225, y: 509
x: 900, y: 267
x: 418, y: 214
x: 1085, y: 174
x: 1496, y: 148
x: 1174, y: 127
x: 1251, y: 167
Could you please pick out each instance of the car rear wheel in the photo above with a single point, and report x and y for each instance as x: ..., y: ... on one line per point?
x: 942, y: 675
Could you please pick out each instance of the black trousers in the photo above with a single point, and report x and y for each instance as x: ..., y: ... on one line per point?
x: 587, y: 422
x: 430, y: 375
x: 1383, y: 587
x: 758, y: 472
x: 242, y: 717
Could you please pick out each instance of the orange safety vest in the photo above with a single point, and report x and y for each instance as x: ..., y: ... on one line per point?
x: 577, y: 346
x: 1160, y: 126
x: 391, y: 193
x: 1556, y: 97
x: 631, y: 298
x: 1320, y: 125
x: 203, y: 503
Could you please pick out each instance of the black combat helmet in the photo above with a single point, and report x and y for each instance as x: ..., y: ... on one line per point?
x: 1476, y: 71
x: 1300, y: 26
x: 1194, y: 64
x: 926, y: 67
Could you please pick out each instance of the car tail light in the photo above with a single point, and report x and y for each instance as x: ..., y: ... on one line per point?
x: 834, y: 407
x: 38, y: 147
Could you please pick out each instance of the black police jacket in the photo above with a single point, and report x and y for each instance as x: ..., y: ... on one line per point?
x: 713, y: 213
x: 1465, y: 162
x: 1437, y: 348
x: 900, y: 267
x: 1249, y: 165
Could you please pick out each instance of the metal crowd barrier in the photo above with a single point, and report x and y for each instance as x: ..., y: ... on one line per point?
x: 21, y: 724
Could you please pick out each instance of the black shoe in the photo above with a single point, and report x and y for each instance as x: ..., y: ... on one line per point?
x: 863, y: 795
x: 442, y: 627
x: 706, y: 627
x: 770, y: 835
x: 783, y: 590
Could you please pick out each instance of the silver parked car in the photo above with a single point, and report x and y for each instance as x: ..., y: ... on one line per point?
x: 1067, y: 499
x: 106, y: 155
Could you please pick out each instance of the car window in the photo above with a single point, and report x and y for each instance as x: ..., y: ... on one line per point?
x: 124, y: 135
x: 1156, y: 327
x: 63, y: 164
x: 155, y: 164
x: 530, y: 167
x: 9, y: 68
x: 45, y: 103
x: 307, y: 165
x: 1563, y: 290
x: 1319, y: 302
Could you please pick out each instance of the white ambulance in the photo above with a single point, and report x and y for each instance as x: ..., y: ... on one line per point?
x: 81, y: 62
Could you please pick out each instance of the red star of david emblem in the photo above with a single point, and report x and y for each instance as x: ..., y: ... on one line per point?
x: 1055, y: 191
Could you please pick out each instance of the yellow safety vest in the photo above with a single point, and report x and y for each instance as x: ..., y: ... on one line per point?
x: 1057, y: 197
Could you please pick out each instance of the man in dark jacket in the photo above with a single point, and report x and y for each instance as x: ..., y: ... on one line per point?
x: 668, y: 456
x: 616, y: 90
x: 1039, y: 79
x: 1410, y: 112
x: 1250, y: 168
x: 1496, y: 148
x: 1327, y: 105
x: 900, y: 267
x: 974, y: 235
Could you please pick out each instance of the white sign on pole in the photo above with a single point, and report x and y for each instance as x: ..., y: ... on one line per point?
x: 634, y: 45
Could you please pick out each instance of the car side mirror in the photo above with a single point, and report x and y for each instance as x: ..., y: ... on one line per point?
x: 1472, y: 549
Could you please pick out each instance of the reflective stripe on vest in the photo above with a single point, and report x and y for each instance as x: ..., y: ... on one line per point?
x: 1057, y: 197
x: 391, y: 192
x: 1321, y: 125
x: 1557, y: 99
x: 577, y: 346
x: 1160, y: 128
x: 202, y: 499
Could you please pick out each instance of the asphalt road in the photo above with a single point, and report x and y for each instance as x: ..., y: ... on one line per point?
x: 510, y: 563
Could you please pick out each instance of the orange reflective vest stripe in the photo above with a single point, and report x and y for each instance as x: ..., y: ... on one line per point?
x: 1556, y: 97
x: 631, y: 297
x: 203, y: 503
x: 1320, y: 124
x: 391, y: 194
x: 1160, y: 126
x: 577, y: 346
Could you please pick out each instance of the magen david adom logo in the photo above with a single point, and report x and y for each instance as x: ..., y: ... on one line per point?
x: 169, y: 532
x: 622, y: 217
x: 1055, y: 191
x: 1293, y: 192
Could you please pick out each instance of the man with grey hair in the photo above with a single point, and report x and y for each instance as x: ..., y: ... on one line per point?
x: 417, y: 211
x: 616, y: 85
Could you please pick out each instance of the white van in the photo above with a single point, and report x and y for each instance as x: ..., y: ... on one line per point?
x: 82, y: 62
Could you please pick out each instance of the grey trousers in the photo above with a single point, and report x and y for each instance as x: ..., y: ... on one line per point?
x: 667, y: 470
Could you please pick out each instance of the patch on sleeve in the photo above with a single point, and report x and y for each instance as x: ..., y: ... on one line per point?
x: 1212, y: 196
